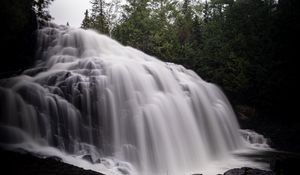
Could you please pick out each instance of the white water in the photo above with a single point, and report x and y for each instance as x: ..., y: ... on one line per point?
x: 132, y: 113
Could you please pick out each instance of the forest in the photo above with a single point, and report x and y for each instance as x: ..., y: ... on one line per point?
x: 247, y: 47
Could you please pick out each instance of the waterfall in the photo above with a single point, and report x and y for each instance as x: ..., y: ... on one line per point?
x: 89, y: 96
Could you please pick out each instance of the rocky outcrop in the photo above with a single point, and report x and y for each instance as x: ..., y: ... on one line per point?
x: 248, y: 171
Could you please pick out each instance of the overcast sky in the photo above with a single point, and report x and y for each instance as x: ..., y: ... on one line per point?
x: 71, y: 11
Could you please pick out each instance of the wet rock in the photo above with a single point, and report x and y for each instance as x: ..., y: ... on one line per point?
x: 98, y: 161
x: 248, y: 171
x: 124, y: 171
x: 55, y: 158
x: 88, y: 158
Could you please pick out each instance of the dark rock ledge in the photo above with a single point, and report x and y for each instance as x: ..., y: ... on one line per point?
x: 26, y: 164
x: 245, y: 171
x: 248, y: 171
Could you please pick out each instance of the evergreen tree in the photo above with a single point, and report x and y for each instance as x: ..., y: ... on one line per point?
x: 86, y: 23
x: 135, y: 29
x: 41, y: 8
x: 98, y: 17
x: 164, y: 41
x: 183, y: 25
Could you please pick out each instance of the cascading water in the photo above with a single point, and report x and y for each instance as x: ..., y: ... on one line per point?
x: 89, y: 95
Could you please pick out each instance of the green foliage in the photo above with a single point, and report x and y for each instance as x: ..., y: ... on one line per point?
x: 137, y: 26
x: 86, y: 23
x: 98, y: 18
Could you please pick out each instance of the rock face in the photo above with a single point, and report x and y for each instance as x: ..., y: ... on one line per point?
x: 247, y: 171
x: 26, y: 164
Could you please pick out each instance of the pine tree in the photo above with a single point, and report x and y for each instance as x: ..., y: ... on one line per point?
x: 98, y: 17
x: 86, y: 23
x: 41, y: 7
